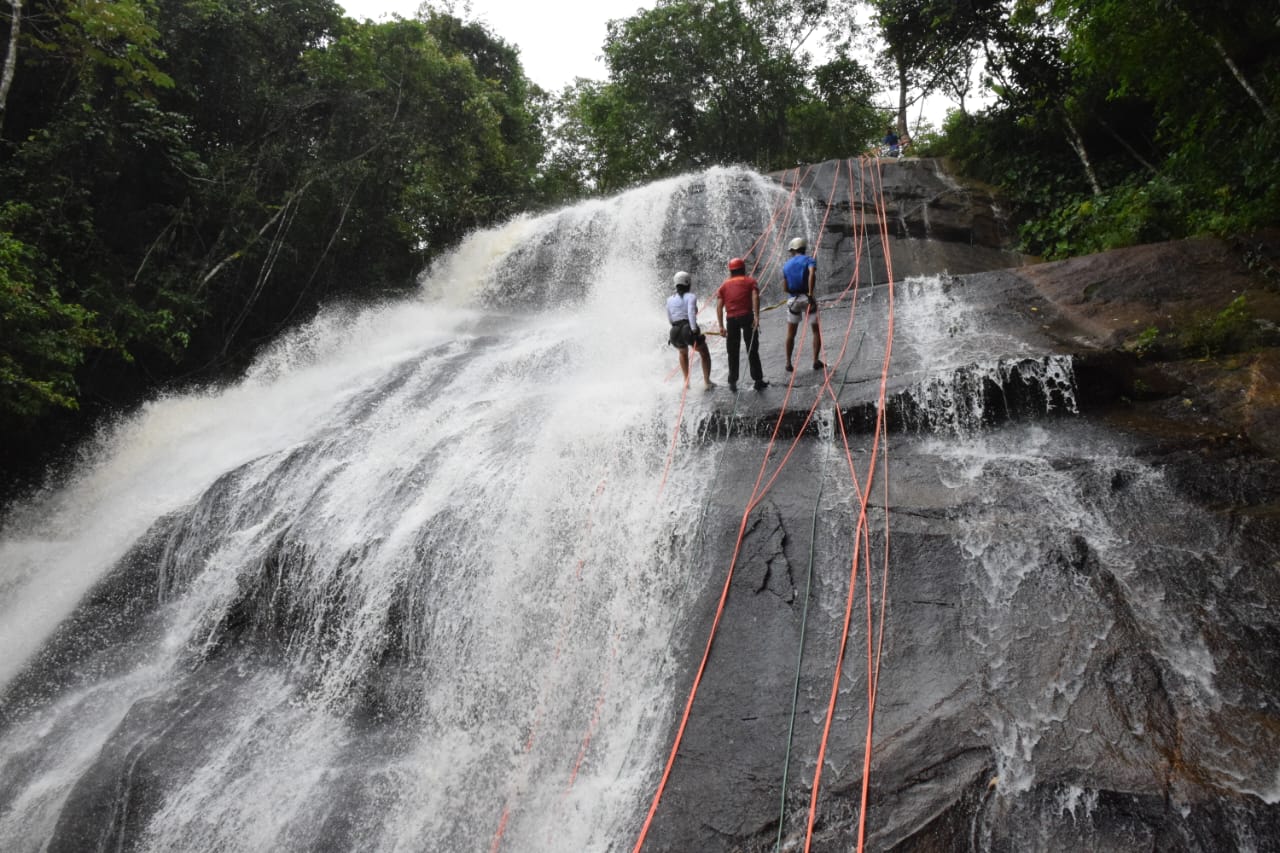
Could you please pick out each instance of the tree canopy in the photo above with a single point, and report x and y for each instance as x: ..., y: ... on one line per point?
x: 1124, y: 122
x: 182, y: 179
x: 693, y: 83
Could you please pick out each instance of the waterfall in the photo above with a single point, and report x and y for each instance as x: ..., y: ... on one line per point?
x: 408, y: 585
x: 969, y: 371
x: 1092, y: 597
x: 436, y: 574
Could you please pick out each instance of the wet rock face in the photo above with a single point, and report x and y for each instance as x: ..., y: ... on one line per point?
x: 1189, y: 331
x: 935, y: 223
x: 1079, y: 654
x: 1083, y: 608
x: 1074, y: 547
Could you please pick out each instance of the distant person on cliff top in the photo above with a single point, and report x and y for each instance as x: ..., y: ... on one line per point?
x: 682, y: 311
x: 892, y: 143
x: 799, y: 275
x: 739, y: 298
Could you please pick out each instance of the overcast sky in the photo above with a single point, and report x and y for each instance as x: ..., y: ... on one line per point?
x: 556, y: 44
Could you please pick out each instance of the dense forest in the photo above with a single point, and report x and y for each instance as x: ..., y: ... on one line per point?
x: 180, y: 180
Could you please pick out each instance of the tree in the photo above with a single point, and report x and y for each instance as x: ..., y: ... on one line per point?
x: 840, y: 118
x: 695, y: 83
x: 930, y: 45
x: 179, y: 179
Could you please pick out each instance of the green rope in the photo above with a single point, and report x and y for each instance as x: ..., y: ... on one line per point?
x: 804, y: 616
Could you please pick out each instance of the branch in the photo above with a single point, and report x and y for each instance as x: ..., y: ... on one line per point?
x: 288, y: 202
x: 1127, y: 147
x: 156, y: 242
x: 268, y: 264
x: 1267, y: 112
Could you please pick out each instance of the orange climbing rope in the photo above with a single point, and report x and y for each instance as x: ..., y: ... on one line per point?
x: 862, y: 547
x: 758, y: 493
x: 861, y: 536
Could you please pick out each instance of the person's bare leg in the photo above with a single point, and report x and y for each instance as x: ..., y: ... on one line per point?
x: 705, y: 352
x: 684, y: 363
x: 817, y: 345
x: 791, y: 341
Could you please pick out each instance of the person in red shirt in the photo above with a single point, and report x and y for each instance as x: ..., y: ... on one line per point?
x: 739, y: 298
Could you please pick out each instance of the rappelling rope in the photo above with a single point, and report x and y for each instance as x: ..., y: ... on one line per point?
x: 861, y: 546
x: 874, y: 673
x: 757, y: 496
x: 804, y: 621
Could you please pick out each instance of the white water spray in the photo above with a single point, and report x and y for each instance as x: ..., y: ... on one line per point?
x: 413, y: 585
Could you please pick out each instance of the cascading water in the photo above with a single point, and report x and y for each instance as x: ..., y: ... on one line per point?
x: 424, y: 580
x: 974, y: 373
x: 409, y: 585
x: 1088, y: 610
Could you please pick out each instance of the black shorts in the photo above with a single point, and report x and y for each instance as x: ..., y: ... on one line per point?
x: 682, y: 335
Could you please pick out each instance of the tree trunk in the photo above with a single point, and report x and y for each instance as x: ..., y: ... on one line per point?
x: 1240, y: 78
x: 1077, y: 144
x: 902, y: 97
x: 10, y: 57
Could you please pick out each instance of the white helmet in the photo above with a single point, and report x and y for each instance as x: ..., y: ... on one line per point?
x: 682, y: 279
x: 799, y: 244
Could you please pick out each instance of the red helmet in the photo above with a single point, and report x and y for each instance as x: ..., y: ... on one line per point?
x: 737, y: 264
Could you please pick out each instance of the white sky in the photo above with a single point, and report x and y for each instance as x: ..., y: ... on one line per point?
x: 558, y: 44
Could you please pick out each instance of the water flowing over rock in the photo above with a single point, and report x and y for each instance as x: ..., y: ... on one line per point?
x: 438, y: 575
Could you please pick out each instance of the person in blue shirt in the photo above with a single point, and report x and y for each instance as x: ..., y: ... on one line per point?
x: 892, y: 143
x: 682, y: 311
x: 799, y: 275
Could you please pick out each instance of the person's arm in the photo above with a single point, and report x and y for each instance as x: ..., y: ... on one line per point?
x: 811, y: 276
x: 755, y: 307
x: 691, y: 302
x: 720, y: 310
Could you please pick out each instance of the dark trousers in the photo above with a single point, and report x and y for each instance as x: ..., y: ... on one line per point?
x: 737, y: 328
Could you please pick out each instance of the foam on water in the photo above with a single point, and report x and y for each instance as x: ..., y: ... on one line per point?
x: 431, y: 524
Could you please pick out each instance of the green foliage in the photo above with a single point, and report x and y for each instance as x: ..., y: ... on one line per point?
x: 1126, y: 215
x: 840, y: 118
x: 1230, y: 330
x: 42, y: 338
x: 1145, y: 342
x: 1130, y: 122
x: 1233, y: 329
x: 694, y: 82
x: 182, y: 178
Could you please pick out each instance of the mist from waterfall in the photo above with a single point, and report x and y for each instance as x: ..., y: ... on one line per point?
x: 408, y: 585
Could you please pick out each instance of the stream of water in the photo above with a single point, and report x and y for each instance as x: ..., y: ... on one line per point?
x: 409, y: 584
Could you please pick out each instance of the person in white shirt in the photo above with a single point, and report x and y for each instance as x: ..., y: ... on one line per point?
x: 682, y: 311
